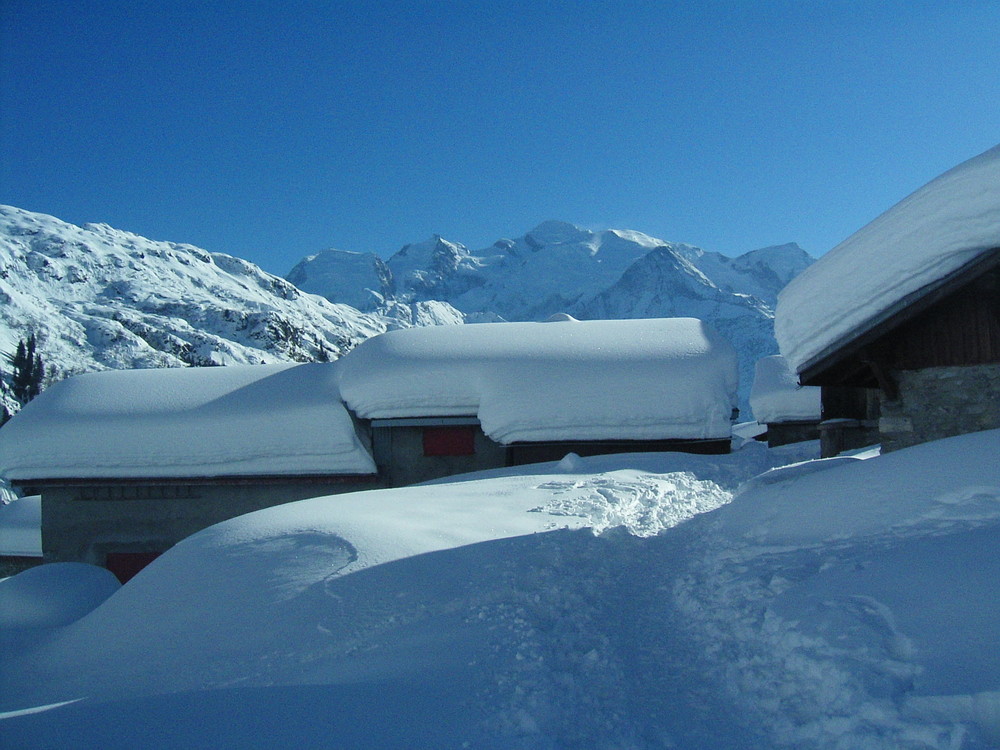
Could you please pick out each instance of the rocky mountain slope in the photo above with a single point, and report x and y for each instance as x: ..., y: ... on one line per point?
x: 97, y: 298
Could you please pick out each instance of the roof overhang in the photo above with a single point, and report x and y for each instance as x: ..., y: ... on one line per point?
x: 245, y: 480
x: 846, y: 361
x: 424, y: 421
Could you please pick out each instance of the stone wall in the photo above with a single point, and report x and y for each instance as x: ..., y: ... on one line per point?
x: 399, y: 454
x: 938, y: 402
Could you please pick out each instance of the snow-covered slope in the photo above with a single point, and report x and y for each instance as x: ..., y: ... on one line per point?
x: 633, y: 601
x: 558, y: 267
x: 100, y: 298
x: 361, y: 280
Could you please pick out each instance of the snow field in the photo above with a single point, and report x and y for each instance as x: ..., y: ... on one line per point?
x: 847, y: 603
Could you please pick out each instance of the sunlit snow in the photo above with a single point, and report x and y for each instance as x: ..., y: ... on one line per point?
x: 559, y: 380
x: 191, y: 422
x: 631, y: 601
x: 947, y: 223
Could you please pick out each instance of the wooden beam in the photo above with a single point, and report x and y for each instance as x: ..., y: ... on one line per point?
x: 882, y: 375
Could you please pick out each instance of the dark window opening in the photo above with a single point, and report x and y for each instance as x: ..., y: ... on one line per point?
x: 453, y: 440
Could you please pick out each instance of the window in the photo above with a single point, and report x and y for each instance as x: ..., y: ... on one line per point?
x: 452, y: 440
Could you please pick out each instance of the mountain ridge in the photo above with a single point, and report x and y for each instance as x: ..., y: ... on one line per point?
x: 99, y: 297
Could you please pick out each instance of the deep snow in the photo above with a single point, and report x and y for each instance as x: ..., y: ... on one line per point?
x: 560, y: 380
x: 776, y: 395
x: 186, y: 422
x: 643, y: 601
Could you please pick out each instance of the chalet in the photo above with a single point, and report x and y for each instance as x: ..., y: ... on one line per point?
x: 449, y: 399
x: 128, y: 463
x: 900, y: 323
x: 790, y: 411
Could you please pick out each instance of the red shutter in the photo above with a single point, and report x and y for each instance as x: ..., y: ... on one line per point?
x: 453, y: 440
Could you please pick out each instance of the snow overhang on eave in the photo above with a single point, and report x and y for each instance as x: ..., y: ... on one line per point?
x: 839, y: 354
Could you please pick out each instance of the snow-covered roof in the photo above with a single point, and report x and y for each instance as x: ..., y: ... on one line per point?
x: 284, y: 419
x: 21, y: 527
x: 559, y: 380
x: 934, y: 232
x: 776, y: 395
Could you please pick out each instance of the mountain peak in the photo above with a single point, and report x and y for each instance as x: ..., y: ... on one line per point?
x: 553, y: 232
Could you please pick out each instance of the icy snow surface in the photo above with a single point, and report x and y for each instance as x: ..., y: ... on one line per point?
x: 213, y: 421
x: 776, y: 395
x: 560, y: 380
x: 20, y: 527
x: 841, y: 603
x: 933, y: 232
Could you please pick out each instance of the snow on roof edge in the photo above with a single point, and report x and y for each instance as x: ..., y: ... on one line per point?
x: 988, y: 258
x: 562, y: 380
x: 240, y: 421
x: 929, y: 235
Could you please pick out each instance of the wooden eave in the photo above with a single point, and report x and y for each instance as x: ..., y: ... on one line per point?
x: 241, y: 480
x: 852, y: 359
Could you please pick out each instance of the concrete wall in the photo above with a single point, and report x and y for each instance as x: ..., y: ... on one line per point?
x: 399, y: 454
x: 85, y: 523
x: 938, y: 402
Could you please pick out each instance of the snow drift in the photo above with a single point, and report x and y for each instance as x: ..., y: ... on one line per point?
x: 839, y: 603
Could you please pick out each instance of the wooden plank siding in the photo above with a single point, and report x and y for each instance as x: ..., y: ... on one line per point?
x: 962, y: 329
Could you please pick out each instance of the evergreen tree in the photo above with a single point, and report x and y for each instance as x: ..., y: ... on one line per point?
x: 28, y: 371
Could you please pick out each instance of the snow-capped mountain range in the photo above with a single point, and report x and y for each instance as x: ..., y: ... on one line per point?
x: 560, y: 268
x: 97, y: 297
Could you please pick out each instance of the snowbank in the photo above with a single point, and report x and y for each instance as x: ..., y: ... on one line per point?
x: 857, y: 605
x: 185, y: 422
x: 560, y: 380
x: 21, y: 527
x: 776, y: 395
x: 841, y: 603
x: 53, y: 595
x: 938, y: 229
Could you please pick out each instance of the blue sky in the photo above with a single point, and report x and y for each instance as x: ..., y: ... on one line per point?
x: 271, y: 130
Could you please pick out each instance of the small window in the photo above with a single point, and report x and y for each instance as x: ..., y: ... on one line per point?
x: 453, y: 440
